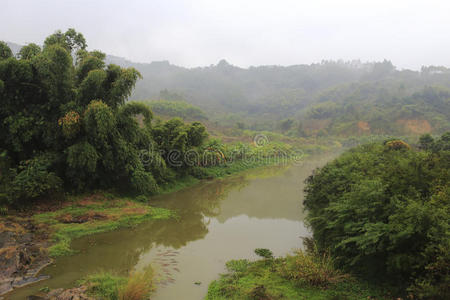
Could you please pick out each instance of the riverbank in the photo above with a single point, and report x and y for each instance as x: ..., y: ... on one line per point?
x: 29, y: 241
x: 50, y: 227
x: 223, y: 170
x: 102, y: 211
x: 300, y: 275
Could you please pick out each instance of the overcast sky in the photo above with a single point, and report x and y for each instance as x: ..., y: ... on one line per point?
x: 256, y: 32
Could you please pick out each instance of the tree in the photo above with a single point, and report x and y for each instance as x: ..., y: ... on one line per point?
x: 71, y: 40
x: 426, y: 142
x: 285, y: 125
x: 29, y: 51
x: 5, y: 51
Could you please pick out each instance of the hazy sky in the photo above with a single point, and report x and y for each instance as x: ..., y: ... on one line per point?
x: 256, y: 32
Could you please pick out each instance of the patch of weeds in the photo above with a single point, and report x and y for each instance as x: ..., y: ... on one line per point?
x: 139, y: 285
x: 239, y: 265
x: 281, y: 278
x: 107, y: 285
x: 142, y: 199
x: 311, y: 269
x: 104, y: 285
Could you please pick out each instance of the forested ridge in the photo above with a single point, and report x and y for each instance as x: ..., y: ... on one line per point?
x: 328, y: 98
x: 332, y: 98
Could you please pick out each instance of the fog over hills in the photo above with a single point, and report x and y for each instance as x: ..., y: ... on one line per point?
x: 332, y: 96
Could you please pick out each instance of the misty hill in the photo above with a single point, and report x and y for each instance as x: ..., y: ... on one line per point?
x: 331, y: 97
x: 343, y: 98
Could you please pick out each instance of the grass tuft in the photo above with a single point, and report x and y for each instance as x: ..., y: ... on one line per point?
x: 107, y: 285
x: 139, y: 286
x: 311, y: 269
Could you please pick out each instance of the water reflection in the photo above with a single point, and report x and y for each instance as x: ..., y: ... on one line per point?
x: 217, y: 221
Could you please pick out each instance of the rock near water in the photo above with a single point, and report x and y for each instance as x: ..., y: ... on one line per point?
x: 22, y: 254
x: 78, y: 293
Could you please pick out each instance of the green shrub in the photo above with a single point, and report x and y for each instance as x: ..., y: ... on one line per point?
x: 385, y: 214
x: 34, y: 180
x: 144, y: 183
x: 265, y: 253
x: 311, y: 269
x: 142, y: 198
x: 180, y: 109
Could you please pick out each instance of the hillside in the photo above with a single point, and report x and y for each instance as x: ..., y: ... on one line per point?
x: 336, y: 98
x: 328, y: 98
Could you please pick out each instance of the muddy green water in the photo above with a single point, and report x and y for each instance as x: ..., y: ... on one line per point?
x: 218, y: 221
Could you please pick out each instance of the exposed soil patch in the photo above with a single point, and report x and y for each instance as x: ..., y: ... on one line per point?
x: 29, y: 240
x: 315, y: 125
x: 363, y: 126
x: 416, y: 126
x: 90, y: 216
x: 134, y: 210
x: 22, y: 252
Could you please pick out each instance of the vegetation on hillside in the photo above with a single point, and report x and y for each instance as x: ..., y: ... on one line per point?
x: 328, y: 98
x: 382, y: 212
x: 368, y: 109
x: 181, y: 109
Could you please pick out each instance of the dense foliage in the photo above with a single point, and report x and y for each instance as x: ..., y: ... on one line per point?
x: 383, y: 211
x: 64, y: 123
x: 180, y: 109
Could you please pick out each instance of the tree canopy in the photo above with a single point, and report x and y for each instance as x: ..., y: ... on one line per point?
x: 382, y: 210
x: 64, y: 123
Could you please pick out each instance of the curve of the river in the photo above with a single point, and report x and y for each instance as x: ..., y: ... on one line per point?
x: 218, y: 220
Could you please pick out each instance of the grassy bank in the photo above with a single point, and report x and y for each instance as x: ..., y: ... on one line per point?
x: 100, y: 212
x: 297, y: 276
x: 226, y: 169
x: 97, y: 213
x: 219, y: 171
x: 179, y: 184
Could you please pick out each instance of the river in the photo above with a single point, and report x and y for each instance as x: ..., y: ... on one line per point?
x: 217, y: 221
